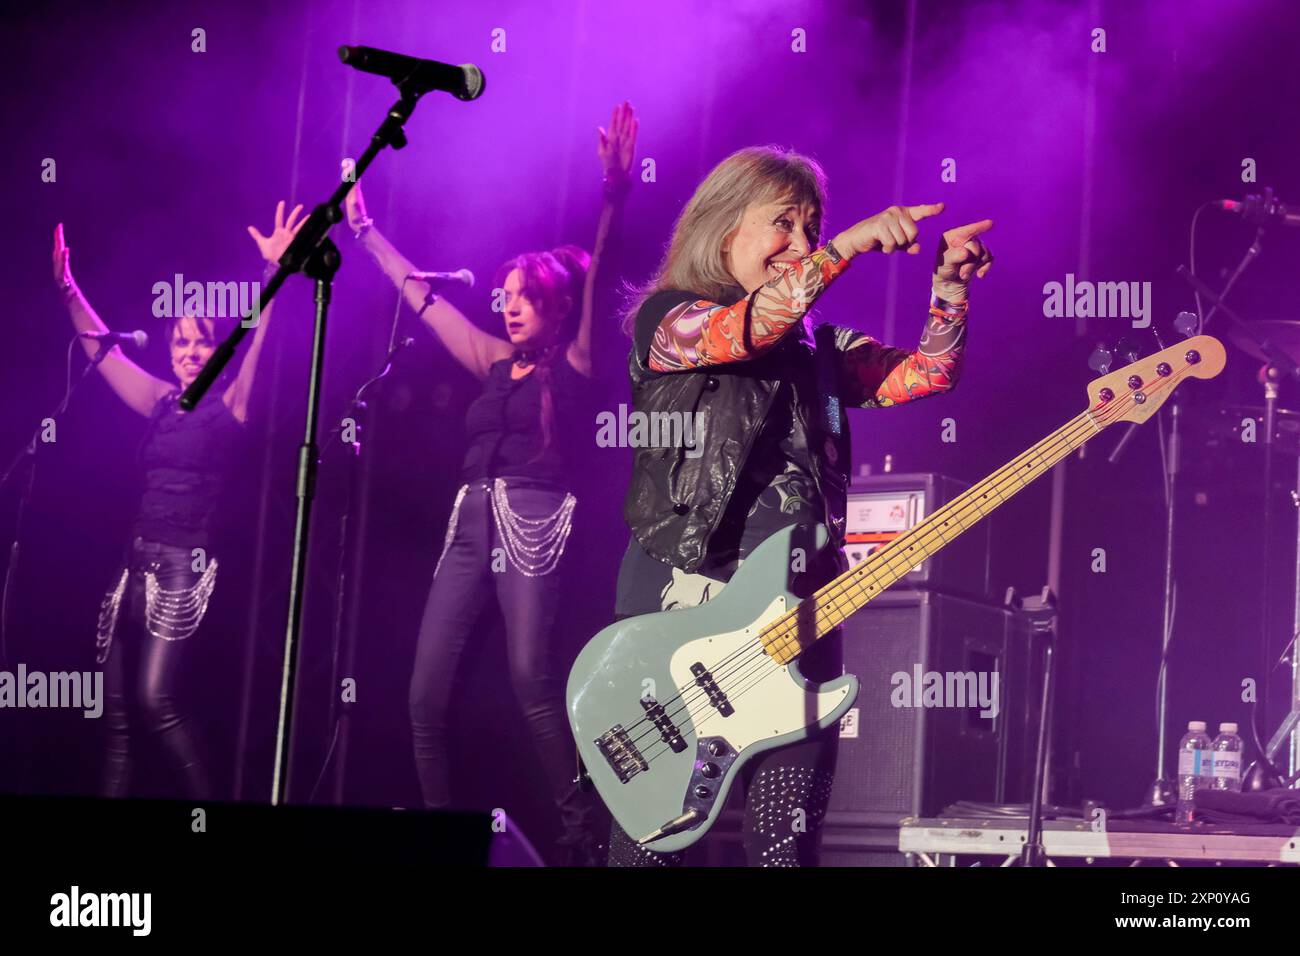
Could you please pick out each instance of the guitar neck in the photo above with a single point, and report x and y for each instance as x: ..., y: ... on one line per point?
x: 851, y: 591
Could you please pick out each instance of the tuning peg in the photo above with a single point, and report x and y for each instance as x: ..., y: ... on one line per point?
x: 1127, y: 351
x: 1101, y: 358
x: 1187, y: 324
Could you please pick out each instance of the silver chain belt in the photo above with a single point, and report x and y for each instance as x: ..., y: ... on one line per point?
x: 169, y: 614
x: 533, y: 545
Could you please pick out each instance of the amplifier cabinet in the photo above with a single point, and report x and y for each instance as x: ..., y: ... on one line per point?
x: 880, y: 507
x: 947, y: 711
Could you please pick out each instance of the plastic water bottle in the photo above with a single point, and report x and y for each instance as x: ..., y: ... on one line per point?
x: 1227, y: 749
x: 1194, y: 756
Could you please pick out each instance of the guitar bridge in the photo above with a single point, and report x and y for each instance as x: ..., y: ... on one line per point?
x: 620, y: 753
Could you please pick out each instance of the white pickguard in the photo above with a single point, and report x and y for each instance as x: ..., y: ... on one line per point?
x: 764, y: 708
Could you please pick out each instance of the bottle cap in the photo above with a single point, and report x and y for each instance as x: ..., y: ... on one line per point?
x: 1196, y: 725
x: 1227, y: 728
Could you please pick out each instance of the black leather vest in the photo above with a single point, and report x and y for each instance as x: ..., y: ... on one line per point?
x: 674, y: 501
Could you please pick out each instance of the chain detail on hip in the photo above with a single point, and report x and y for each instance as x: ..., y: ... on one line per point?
x: 533, y: 545
x: 180, y: 611
x: 170, y: 614
x: 451, y: 527
x: 108, y: 617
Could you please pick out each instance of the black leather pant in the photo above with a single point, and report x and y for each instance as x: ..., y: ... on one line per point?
x: 143, y: 680
x: 461, y: 588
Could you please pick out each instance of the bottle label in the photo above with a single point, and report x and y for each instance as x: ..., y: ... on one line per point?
x: 1195, y: 763
x: 1227, y: 764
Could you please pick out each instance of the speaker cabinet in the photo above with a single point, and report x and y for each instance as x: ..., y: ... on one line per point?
x: 899, y: 759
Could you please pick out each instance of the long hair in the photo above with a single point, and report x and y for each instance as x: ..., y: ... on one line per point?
x: 546, y: 279
x: 693, y: 259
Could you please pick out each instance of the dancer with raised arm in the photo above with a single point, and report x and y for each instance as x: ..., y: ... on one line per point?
x: 158, y: 599
x: 515, y: 497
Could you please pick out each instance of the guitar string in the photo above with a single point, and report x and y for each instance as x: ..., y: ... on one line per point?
x: 960, y: 507
x: 743, y: 681
x: 852, y: 583
x: 756, y: 676
x: 762, y: 665
x: 844, y: 586
x: 886, y: 557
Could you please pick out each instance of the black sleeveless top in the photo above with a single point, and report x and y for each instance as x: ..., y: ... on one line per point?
x: 186, y: 458
x: 504, y: 425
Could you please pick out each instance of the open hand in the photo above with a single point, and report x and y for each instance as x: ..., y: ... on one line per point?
x: 617, y: 146
x: 272, y: 247
x: 62, y: 267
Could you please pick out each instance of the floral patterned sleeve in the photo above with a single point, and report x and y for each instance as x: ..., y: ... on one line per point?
x: 700, y: 333
x: 873, y: 375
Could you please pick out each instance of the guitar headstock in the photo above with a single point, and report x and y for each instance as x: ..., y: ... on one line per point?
x: 1135, y: 392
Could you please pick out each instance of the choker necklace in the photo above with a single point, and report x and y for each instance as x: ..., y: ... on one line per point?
x: 526, y: 357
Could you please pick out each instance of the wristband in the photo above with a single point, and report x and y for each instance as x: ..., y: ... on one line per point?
x: 616, y: 187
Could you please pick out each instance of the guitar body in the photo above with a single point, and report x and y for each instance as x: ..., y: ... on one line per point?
x: 668, y: 707
x: 743, y: 704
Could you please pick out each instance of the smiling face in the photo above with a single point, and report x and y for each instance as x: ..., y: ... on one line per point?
x: 771, y: 236
x: 192, y: 344
x: 530, y: 325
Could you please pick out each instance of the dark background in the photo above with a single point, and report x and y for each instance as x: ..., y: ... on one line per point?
x: 1089, y: 163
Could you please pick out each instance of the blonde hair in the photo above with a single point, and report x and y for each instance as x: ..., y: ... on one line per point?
x: 693, y: 259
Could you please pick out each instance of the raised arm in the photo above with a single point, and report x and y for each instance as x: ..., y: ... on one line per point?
x: 271, y: 248
x: 700, y: 333
x: 468, y: 344
x: 140, y: 390
x: 873, y: 375
x: 697, y: 334
x: 616, y: 149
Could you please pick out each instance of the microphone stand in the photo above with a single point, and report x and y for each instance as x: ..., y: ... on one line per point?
x: 28, y: 454
x: 314, y: 254
x: 1041, y: 614
x: 1262, y: 775
x: 1162, y: 792
x: 341, y: 710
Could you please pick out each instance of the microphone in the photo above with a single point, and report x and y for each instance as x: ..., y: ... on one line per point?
x: 138, y: 338
x: 465, y: 82
x: 444, y: 278
x: 1260, y: 210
